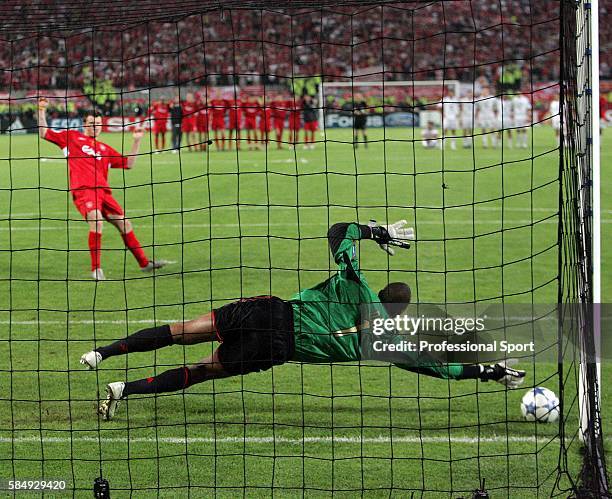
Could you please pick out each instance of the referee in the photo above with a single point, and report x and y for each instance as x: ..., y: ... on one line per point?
x: 176, y: 120
x: 360, y: 120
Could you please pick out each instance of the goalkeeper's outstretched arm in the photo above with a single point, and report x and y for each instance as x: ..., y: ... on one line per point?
x: 500, y: 372
x: 342, y: 236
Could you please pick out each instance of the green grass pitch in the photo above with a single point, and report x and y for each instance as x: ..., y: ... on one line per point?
x: 240, y: 224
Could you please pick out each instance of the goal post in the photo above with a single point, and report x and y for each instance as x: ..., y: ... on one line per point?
x: 587, y: 152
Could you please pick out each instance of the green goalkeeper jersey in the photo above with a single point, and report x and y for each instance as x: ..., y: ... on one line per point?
x: 329, y: 317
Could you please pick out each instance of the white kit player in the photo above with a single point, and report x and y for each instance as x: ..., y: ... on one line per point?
x: 521, y: 106
x: 450, y: 116
x: 507, y: 115
x: 498, y: 123
x: 488, y: 116
x: 429, y: 137
x: 466, y: 118
x: 556, y: 119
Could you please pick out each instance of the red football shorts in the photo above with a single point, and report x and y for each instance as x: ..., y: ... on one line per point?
x: 87, y: 200
x: 235, y: 120
x: 279, y: 124
x: 189, y: 125
x: 159, y: 127
x: 311, y: 126
x: 294, y: 123
x: 218, y: 124
x: 202, y: 124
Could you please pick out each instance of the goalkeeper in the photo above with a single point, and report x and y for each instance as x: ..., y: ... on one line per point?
x: 319, y: 325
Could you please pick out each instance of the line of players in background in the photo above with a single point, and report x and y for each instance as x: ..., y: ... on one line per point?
x: 491, y: 114
x: 231, y: 122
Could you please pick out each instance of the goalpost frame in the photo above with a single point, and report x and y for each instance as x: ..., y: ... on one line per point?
x: 589, y: 12
x: 585, y: 80
x: 403, y: 83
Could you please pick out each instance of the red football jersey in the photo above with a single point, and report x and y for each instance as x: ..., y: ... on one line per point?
x: 251, y: 110
x: 218, y: 108
x: 265, y: 117
x: 235, y: 107
x: 202, y: 113
x: 160, y: 111
x: 88, y: 158
x: 294, y: 106
x: 279, y: 110
x: 189, y: 109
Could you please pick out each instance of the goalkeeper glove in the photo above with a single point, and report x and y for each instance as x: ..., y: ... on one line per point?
x: 395, y: 234
x: 500, y: 372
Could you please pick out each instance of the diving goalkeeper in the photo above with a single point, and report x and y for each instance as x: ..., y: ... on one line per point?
x: 319, y: 325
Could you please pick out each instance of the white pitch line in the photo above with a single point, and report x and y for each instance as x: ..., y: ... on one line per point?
x: 288, y: 160
x: 164, y: 211
x: 284, y: 440
x: 60, y: 227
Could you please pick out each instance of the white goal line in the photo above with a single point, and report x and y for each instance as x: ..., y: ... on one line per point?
x: 382, y: 439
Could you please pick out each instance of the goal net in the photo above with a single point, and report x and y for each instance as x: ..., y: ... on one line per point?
x: 191, y: 302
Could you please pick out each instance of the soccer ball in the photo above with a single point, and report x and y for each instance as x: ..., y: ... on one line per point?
x: 540, y: 404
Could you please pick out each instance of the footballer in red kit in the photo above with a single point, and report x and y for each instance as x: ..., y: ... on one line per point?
x: 251, y: 111
x: 279, y: 115
x: 218, y: 109
x: 88, y: 163
x: 202, y: 123
x: 235, y: 121
x: 189, y: 123
x: 265, y: 122
x: 159, y: 112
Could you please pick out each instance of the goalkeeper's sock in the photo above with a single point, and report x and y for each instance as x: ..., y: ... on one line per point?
x: 132, y: 243
x: 168, y: 381
x: 144, y: 340
x: 95, y: 247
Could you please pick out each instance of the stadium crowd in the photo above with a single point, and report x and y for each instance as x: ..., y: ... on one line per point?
x: 468, y: 39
